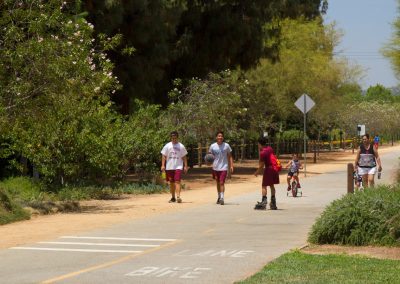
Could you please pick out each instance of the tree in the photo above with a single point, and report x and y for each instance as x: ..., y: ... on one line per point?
x: 392, y: 48
x: 203, y: 107
x: 306, y: 65
x: 185, y: 39
x: 55, y: 87
x: 379, y: 93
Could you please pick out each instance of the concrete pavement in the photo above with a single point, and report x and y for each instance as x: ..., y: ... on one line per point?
x: 205, y: 244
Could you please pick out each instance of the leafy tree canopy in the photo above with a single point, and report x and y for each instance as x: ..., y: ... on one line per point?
x: 186, y: 38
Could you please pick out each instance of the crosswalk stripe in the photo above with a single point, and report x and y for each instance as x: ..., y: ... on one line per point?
x: 99, y: 244
x: 124, y: 239
x: 77, y: 250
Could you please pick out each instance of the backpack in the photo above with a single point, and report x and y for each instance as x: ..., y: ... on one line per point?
x: 275, y: 163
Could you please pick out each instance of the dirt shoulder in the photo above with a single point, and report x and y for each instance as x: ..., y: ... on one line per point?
x: 368, y: 251
x: 199, y: 189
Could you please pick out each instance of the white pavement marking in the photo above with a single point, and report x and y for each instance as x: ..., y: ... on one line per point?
x: 99, y: 244
x: 77, y: 250
x: 123, y: 239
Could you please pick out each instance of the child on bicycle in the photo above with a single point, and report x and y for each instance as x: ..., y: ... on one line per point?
x: 357, y: 180
x: 294, y: 165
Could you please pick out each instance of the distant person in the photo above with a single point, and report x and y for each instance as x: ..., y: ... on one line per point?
x: 294, y: 166
x: 173, y: 162
x: 223, y: 161
x: 377, y: 139
x: 366, y: 162
x: 270, y: 175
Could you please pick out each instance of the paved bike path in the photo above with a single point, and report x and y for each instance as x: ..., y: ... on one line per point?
x: 206, y: 244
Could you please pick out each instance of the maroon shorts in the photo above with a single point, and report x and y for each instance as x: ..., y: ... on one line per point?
x: 220, y: 176
x: 173, y: 175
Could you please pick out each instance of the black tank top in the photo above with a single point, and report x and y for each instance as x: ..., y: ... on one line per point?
x: 367, y: 157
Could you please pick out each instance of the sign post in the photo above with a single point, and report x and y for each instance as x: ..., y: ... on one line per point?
x: 305, y: 103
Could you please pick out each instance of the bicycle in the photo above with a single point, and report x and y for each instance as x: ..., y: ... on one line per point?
x: 294, y: 187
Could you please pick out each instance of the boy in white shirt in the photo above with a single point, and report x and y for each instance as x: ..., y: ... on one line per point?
x: 173, y: 161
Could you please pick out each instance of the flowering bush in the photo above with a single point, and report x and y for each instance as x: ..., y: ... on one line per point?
x: 55, y: 83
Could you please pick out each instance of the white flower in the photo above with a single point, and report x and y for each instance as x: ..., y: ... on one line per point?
x: 69, y: 43
x: 96, y: 89
x: 113, y: 91
x: 40, y: 39
x: 92, y: 67
x: 74, y: 62
x: 69, y: 22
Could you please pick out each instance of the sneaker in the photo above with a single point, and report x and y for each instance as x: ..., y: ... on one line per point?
x: 272, y: 204
x: 172, y: 200
x: 218, y: 200
x: 179, y: 200
x: 221, y: 201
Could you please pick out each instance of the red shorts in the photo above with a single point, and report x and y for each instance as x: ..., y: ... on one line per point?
x: 173, y: 175
x: 220, y: 176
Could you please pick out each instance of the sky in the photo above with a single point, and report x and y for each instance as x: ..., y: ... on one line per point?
x: 367, y: 26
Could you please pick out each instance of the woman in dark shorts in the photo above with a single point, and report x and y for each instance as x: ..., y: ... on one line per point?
x: 270, y: 176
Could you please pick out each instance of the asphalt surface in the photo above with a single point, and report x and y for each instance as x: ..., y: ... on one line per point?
x: 205, y: 244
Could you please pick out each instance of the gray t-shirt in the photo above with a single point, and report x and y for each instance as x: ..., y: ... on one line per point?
x: 220, y: 153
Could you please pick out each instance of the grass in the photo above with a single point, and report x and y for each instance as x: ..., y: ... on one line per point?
x: 371, y: 217
x: 10, y: 211
x: 107, y: 192
x: 19, y: 192
x: 298, y: 267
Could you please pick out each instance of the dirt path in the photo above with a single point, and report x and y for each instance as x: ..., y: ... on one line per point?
x: 199, y: 189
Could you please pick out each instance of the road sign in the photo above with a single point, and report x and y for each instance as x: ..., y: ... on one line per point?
x: 304, y: 103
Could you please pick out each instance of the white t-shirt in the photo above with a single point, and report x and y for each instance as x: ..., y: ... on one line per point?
x: 174, y: 154
x: 220, y: 153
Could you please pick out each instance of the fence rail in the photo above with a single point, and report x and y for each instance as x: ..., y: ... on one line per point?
x: 249, y: 149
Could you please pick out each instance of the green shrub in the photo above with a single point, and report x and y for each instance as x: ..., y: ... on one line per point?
x: 292, y: 134
x: 9, y: 210
x: 23, y: 190
x: 371, y: 217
